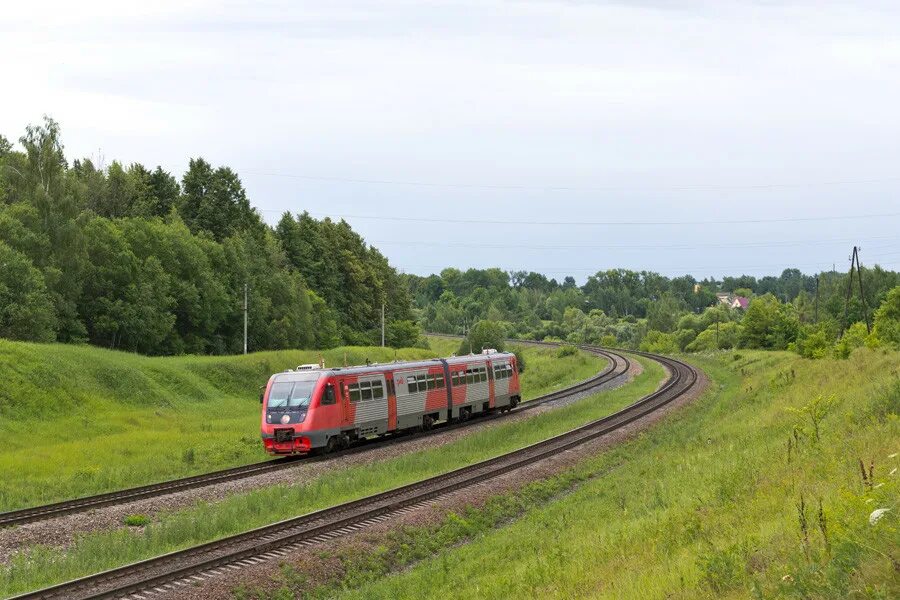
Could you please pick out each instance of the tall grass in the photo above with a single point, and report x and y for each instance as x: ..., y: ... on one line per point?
x: 765, y: 487
x: 94, y: 552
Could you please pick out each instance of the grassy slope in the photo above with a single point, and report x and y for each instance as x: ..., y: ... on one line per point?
x: 707, y: 506
x: 80, y: 420
x: 95, y: 552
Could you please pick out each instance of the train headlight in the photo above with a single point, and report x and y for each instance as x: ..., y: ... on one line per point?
x: 268, y: 418
x: 285, y: 419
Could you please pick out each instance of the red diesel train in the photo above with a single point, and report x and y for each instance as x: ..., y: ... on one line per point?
x: 314, y: 408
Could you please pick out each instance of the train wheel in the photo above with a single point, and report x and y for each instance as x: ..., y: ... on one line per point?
x: 464, y: 415
x: 427, y: 423
x: 513, y: 402
x: 333, y: 444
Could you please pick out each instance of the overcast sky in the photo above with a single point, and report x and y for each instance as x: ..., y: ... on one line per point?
x: 591, y: 118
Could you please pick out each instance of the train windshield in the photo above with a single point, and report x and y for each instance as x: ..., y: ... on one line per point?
x: 288, y: 395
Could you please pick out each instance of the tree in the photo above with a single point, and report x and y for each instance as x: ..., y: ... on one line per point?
x: 887, y: 320
x: 403, y: 334
x: 768, y: 324
x: 26, y: 312
x: 214, y: 201
x: 485, y: 334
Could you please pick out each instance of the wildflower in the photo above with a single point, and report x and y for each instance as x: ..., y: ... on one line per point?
x: 877, y: 514
x: 894, y: 455
x: 894, y: 470
x: 787, y: 578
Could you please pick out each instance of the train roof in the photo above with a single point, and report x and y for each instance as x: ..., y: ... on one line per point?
x: 402, y: 365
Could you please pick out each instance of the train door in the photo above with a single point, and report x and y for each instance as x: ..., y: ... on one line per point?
x: 391, y: 391
x: 344, y: 403
x: 491, y: 389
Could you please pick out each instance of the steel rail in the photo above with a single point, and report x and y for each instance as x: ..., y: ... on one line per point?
x: 185, y: 567
x: 153, y: 490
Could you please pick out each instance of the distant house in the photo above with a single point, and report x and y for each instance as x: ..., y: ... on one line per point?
x: 732, y: 301
x: 740, y: 302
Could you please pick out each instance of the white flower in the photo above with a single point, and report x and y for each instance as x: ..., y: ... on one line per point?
x: 894, y: 470
x: 894, y: 455
x: 877, y: 514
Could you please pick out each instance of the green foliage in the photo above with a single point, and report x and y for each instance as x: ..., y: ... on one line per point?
x: 659, y: 343
x: 566, y: 350
x: 484, y: 334
x: 128, y: 258
x: 768, y: 324
x: 814, y: 343
x: 25, y: 310
x: 727, y: 335
x: 136, y: 520
x: 887, y: 320
x: 855, y: 337
x: 404, y: 334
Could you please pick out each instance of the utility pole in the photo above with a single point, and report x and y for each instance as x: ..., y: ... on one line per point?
x: 245, y: 318
x: 854, y: 260
x: 382, y: 324
x: 862, y: 296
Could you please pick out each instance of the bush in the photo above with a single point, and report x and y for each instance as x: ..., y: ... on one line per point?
x: 659, y: 343
x: 565, y: 351
x: 609, y: 341
x: 887, y: 320
x: 136, y: 520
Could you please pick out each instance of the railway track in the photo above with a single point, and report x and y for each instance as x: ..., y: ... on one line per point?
x: 187, y: 567
x: 617, y: 366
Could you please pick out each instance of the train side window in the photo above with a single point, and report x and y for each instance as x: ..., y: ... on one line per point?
x: 328, y: 396
x: 411, y: 384
x: 470, y: 376
x: 354, y: 392
x: 431, y: 382
x: 439, y: 382
x: 483, y: 373
x: 365, y: 389
x: 377, y: 390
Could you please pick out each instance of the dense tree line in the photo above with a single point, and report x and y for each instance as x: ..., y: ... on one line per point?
x: 649, y: 311
x: 133, y: 258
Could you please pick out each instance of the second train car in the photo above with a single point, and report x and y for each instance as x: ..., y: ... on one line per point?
x: 312, y: 409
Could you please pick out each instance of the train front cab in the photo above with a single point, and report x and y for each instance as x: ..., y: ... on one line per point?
x: 300, y: 410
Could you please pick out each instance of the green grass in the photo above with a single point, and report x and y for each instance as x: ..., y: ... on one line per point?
x: 706, y: 505
x: 98, y: 551
x: 77, y: 420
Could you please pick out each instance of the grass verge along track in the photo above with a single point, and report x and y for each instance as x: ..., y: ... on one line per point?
x: 182, y: 567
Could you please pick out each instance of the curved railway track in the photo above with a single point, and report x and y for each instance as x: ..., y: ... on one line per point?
x: 187, y: 567
x: 617, y: 366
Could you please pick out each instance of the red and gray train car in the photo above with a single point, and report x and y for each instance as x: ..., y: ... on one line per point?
x: 326, y: 409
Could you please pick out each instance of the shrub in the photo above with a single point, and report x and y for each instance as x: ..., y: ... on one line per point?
x: 136, y: 520
x: 565, y: 351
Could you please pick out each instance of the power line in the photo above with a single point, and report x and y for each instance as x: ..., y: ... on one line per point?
x: 817, y: 242
x: 567, y: 188
x: 604, y: 223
